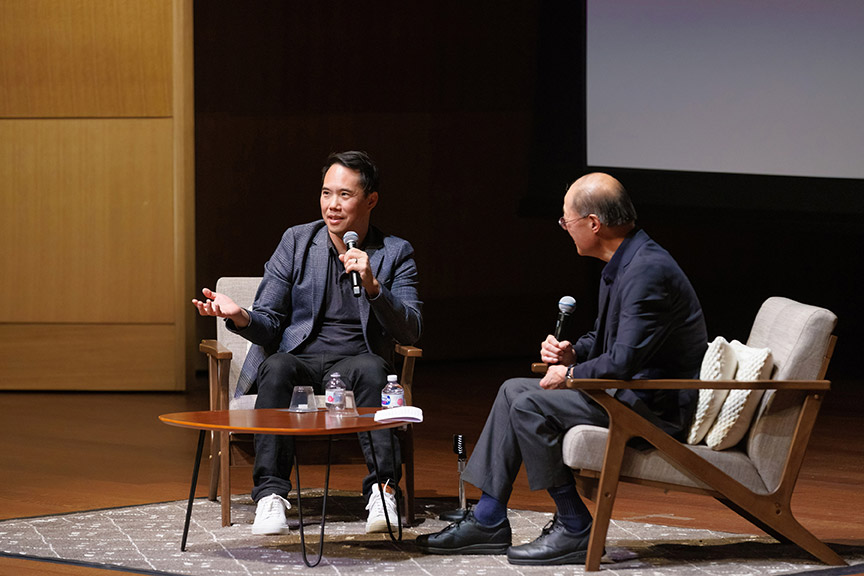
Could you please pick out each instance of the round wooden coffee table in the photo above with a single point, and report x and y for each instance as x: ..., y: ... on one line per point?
x: 283, y: 422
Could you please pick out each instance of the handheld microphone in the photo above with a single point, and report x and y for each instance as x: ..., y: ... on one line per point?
x: 566, y: 306
x: 350, y: 238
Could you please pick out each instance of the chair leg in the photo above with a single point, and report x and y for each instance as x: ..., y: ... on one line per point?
x: 783, y: 526
x: 773, y: 513
x: 793, y: 530
x: 214, y: 466
x: 217, y: 376
x: 606, y: 493
x: 408, y: 459
x: 225, y: 473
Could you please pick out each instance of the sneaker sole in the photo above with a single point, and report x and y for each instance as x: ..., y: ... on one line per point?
x: 271, y: 531
x: 470, y: 549
x: 378, y: 527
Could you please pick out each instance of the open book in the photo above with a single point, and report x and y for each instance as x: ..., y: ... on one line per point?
x: 400, y: 414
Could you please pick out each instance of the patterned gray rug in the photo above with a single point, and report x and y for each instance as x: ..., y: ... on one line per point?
x: 146, y: 539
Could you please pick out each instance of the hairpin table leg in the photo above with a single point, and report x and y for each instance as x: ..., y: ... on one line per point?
x: 323, y: 506
x: 192, y: 489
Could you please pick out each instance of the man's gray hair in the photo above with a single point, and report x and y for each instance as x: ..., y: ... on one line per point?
x: 610, y: 202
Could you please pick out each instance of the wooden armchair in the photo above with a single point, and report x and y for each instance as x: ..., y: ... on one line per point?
x: 756, y: 478
x: 225, y: 357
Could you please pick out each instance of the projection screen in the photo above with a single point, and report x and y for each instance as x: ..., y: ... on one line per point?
x: 748, y: 87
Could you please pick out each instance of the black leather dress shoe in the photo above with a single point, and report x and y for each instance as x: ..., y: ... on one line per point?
x: 554, y: 546
x: 467, y: 537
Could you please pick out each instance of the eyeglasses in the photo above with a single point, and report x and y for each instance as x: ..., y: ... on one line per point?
x: 564, y: 223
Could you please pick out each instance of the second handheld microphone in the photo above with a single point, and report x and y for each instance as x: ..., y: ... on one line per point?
x: 566, y: 306
x: 350, y: 238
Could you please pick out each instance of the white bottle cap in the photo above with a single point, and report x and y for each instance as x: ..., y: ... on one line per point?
x: 391, y: 378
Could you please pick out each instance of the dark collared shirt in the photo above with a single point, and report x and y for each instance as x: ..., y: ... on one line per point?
x: 610, y: 270
x: 339, y: 329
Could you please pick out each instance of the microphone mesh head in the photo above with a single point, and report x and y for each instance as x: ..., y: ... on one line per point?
x: 567, y: 304
x: 350, y: 236
x: 459, y: 444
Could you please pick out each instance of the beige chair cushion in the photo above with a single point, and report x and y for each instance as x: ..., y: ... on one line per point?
x: 740, y: 406
x: 719, y: 363
x: 245, y: 402
x: 584, y: 446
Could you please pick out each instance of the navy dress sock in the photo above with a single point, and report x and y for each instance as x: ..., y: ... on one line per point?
x: 571, y: 510
x: 489, y: 511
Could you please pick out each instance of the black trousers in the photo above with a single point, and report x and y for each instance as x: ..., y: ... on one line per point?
x: 365, y: 375
x: 527, y: 424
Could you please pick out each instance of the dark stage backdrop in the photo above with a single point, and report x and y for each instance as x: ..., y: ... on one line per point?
x: 475, y: 114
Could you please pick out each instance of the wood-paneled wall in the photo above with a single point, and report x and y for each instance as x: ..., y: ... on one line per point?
x: 96, y: 194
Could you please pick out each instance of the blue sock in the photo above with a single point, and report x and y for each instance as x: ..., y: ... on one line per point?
x: 571, y: 510
x: 489, y: 511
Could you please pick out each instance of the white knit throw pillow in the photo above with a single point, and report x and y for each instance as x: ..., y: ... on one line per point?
x: 740, y: 406
x: 719, y: 363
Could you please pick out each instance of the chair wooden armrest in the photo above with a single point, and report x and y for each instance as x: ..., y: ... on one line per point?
x: 539, y: 368
x: 688, y: 384
x: 409, y: 351
x: 684, y: 384
x: 218, y: 364
x: 214, y: 349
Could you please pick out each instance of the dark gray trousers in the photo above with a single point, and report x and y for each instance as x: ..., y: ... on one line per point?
x: 527, y: 424
x: 365, y: 374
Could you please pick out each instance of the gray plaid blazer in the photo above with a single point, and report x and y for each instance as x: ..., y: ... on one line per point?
x: 291, y: 295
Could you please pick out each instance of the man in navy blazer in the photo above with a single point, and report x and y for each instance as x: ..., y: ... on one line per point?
x: 308, y: 322
x: 649, y: 325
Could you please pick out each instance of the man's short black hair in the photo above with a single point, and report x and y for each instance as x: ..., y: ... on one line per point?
x: 358, y: 161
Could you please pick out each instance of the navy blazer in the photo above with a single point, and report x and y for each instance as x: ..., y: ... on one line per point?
x: 649, y: 325
x: 291, y: 295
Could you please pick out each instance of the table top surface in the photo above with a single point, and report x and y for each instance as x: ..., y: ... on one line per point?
x: 279, y: 421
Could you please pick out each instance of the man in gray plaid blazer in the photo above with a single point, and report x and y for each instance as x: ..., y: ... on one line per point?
x: 306, y: 323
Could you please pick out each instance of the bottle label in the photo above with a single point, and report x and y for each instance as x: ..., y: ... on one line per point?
x: 392, y: 400
x: 336, y: 397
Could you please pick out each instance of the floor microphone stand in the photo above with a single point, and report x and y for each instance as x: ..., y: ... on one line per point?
x: 461, y: 456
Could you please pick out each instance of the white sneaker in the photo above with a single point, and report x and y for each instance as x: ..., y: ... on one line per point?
x: 270, y: 515
x: 376, y: 521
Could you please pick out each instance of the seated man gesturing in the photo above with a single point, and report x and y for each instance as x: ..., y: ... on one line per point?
x: 309, y: 322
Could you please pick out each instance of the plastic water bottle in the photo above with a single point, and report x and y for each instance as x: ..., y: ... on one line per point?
x: 392, y: 396
x: 335, y: 393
